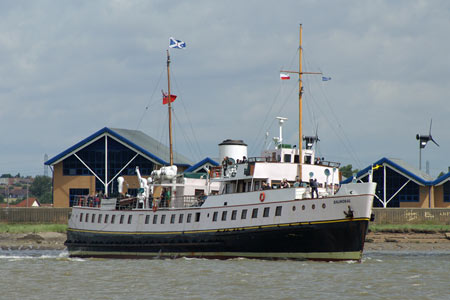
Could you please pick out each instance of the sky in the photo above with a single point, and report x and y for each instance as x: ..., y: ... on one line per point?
x: 70, y: 68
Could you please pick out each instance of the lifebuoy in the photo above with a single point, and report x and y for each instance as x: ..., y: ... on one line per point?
x: 154, y: 208
x: 262, y: 197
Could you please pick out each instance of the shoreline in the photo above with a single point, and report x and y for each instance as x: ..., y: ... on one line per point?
x: 375, y: 241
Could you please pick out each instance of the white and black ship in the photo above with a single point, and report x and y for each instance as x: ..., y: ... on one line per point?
x: 260, y: 207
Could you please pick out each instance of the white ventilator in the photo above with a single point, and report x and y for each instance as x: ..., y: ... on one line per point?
x: 120, y: 181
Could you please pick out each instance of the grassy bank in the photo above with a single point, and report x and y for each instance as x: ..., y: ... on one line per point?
x: 405, y: 228
x: 32, y: 228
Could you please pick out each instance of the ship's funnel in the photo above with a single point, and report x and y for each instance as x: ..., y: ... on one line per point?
x: 235, y: 149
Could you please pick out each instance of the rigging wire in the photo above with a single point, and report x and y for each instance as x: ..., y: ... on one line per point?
x: 342, y: 137
x: 255, y: 145
x: 196, y: 144
x: 188, y: 143
x: 151, y: 101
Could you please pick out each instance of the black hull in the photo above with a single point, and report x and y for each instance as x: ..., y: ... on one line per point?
x: 339, y: 240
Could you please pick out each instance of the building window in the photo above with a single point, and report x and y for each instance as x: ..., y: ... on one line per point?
x: 155, y: 219
x: 129, y: 219
x: 244, y: 214
x: 147, y: 219
x: 163, y: 219
x: 233, y: 215
x: 224, y: 215
x: 180, y: 219
x: 197, y: 217
x: 266, y: 212
x: 408, y: 198
x: 189, y: 216
x: 121, y: 219
x: 215, y: 216
x: 446, y: 188
x: 254, y: 213
x: 172, y: 219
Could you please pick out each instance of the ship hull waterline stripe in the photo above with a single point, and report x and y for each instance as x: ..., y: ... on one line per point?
x: 327, y: 256
x: 218, y: 229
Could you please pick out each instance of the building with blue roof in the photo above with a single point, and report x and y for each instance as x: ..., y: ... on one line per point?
x: 402, y: 185
x: 92, y: 165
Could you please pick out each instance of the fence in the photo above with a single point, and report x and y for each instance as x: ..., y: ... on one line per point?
x: 440, y: 216
x: 35, y: 215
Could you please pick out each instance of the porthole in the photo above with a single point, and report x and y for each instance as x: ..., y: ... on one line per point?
x: 293, y: 208
x: 323, y: 205
x: 303, y: 207
x: 313, y: 206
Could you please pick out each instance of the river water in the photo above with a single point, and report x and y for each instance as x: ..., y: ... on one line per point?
x: 381, y: 275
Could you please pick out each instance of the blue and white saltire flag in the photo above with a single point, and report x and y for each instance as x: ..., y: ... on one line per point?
x: 173, y: 43
x: 326, y: 78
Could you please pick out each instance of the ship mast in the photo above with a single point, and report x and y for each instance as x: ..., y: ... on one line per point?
x: 300, y: 94
x: 170, y: 108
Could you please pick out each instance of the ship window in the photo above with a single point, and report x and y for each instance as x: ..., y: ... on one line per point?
x: 254, y: 213
x: 197, y: 217
x: 93, y: 218
x: 215, y: 216
x: 296, y: 159
x: 113, y: 219
x: 233, y: 214
x: 172, y: 219
x: 266, y: 212
x: 244, y: 214
x: 287, y: 158
x: 155, y: 219
x: 129, y: 219
x: 278, y: 211
x: 121, y: 219
x: 224, y: 215
x: 163, y: 219
x: 87, y: 218
x: 256, y: 186
x: 189, y: 216
x: 147, y: 219
x: 99, y: 220
x: 180, y: 219
x: 106, y: 218
x: 81, y: 217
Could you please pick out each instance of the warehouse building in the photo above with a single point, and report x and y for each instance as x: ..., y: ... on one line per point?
x: 92, y: 166
x: 401, y: 185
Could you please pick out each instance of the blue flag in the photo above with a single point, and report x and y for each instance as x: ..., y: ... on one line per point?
x: 326, y: 78
x: 173, y: 43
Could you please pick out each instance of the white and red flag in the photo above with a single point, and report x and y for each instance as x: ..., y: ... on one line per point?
x: 284, y: 76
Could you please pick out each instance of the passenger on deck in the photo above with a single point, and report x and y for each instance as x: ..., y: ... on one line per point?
x: 285, y: 184
x: 298, y: 183
x: 313, y: 184
x: 265, y: 186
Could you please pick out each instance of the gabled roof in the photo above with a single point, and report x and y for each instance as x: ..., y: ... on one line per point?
x: 400, y: 166
x: 201, y: 163
x: 443, y: 179
x: 136, y: 139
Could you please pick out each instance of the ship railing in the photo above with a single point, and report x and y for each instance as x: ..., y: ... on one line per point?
x: 87, y: 201
x: 179, y: 202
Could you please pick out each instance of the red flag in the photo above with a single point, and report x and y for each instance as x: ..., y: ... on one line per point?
x: 166, y: 98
